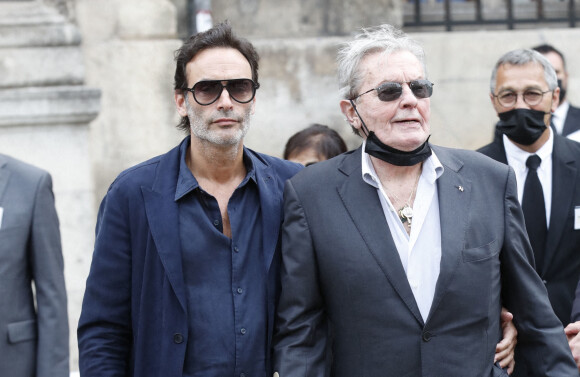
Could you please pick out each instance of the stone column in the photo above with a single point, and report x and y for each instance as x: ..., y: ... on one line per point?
x: 45, y: 111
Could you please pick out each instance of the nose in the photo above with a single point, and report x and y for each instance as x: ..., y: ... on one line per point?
x: 408, y: 99
x: 520, y: 103
x: 225, y: 101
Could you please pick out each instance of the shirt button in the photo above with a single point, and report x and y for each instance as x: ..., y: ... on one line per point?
x: 236, y: 249
x: 545, y: 281
x: 242, y: 375
x: 178, y: 338
x: 243, y: 331
x: 240, y: 290
x: 216, y: 222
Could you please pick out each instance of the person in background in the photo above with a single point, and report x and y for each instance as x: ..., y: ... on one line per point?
x: 33, y: 301
x: 566, y: 118
x: 185, y: 271
x: 524, y: 93
x: 314, y: 144
x: 406, y: 250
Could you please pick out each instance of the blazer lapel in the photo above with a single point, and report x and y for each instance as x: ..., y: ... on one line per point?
x: 362, y: 203
x: 271, y: 206
x: 454, y: 194
x: 163, y: 218
x: 4, y: 176
x: 564, y: 172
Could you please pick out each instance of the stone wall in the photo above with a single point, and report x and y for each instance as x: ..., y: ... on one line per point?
x: 45, y: 111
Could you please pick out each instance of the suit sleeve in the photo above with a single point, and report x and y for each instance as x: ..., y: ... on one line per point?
x: 104, y: 331
x: 301, y: 328
x: 542, y: 349
x: 48, y: 274
x: 576, y: 305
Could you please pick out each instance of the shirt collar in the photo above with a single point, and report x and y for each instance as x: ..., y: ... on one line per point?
x: 186, y: 182
x: 518, y: 156
x: 432, y: 168
x: 562, y: 110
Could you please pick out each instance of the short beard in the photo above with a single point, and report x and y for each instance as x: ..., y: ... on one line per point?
x: 199, y: 126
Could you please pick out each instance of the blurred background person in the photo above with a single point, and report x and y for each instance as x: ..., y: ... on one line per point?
x: 34, y: 322
x: 566, y: 118
x: 313, y: 144
x: 524, y: 93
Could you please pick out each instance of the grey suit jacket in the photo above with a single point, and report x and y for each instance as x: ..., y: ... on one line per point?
x: 33, y: 342
x: 341, y: 269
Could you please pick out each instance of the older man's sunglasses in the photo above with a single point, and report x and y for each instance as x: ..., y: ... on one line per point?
x: 208, y: 91
x: 390, y: 91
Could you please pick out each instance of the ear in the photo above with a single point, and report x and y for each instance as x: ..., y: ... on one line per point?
x: 180, y: 98
x: 555, y: 99
x: 350, y: 113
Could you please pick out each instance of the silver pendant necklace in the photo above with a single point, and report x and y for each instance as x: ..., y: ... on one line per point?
x: 406, y: 211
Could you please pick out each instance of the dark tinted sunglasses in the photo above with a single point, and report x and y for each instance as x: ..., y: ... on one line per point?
x: 390, y: 91
x: 208, y: 91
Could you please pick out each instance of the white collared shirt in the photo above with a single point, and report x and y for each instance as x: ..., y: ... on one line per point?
x: 517, y: 158
x: 420, y: 252
x: 559, y: 117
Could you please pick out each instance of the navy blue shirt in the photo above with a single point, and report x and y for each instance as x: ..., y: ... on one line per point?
x: 225, y: 279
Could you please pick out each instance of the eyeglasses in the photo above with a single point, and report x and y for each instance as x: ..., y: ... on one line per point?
x: 208, y: 91
x: 508, y: 98
x: 390, y: 91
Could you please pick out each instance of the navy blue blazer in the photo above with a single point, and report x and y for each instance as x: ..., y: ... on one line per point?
x: 562, y: 256
x: 134, y: 313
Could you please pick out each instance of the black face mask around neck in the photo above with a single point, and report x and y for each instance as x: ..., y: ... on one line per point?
x: 378, y: 149
x: 393, y: 156
x: 522, y: 126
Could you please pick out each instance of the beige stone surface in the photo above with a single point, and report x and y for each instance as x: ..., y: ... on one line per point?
x: 147, y: 19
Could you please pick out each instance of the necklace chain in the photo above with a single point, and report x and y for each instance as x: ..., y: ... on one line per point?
x: 405, y: 213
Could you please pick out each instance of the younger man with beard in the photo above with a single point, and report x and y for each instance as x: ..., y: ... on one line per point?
x: 184, y: 274
x: 524, y: 93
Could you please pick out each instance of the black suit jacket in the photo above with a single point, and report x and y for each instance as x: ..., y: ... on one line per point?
x: 341, y: 269
x: 572, y: 121
x: 562, y: 255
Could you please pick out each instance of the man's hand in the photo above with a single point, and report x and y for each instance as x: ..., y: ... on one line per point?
x: 572, y: 333
x: 504, y: 350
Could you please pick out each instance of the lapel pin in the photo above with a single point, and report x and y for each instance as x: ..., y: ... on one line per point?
x: 460, y: 188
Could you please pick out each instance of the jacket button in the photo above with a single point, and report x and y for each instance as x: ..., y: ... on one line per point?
x: 178, y: 338
x: 427, y: 336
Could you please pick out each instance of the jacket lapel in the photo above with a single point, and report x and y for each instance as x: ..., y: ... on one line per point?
x: 4, y: 176
x: 163, y: 218
x: 363, y: 204
x: 454, y: 193
x: 564, y: 172
x: 271, y: 208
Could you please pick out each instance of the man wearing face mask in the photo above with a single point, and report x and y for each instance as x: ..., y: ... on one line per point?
x: 566, y: 118
x: 404, y: 250
x: 524, y: 93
